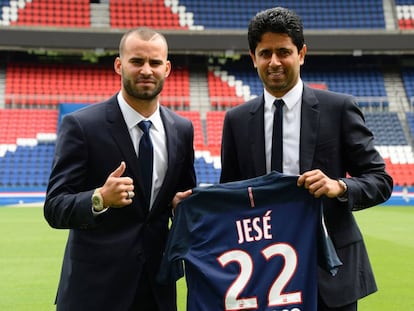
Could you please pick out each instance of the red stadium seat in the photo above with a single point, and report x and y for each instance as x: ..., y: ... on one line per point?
x: 222, y: 95
x: 26, y: 123
x: 59, y: 13
x: 126, y: 14
x: 214, y: 126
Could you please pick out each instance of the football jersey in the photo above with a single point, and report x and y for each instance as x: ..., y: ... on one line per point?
x: 247, y: 245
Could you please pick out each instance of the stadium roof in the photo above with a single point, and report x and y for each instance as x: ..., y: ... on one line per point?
x: 354, y: 42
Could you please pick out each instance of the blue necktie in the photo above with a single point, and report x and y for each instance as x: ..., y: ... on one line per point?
x: 277, y: 137
x: 146, y: 159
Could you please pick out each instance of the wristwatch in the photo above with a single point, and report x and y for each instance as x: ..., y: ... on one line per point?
x: 344, y: 188
x: 97, y: 200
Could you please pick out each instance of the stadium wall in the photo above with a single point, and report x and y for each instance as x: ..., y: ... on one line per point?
x: 207, y: 41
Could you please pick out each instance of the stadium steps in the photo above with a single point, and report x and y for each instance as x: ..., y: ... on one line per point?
x: 199, y: 97
x: 2, y: 87
x: 394, y: 87
x: 100, y: 15
x: 390, y: 16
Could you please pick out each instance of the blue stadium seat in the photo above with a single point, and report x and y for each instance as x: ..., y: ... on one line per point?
x: 336, y: 14
x: 408, y: 80
x: 387, y: 128
x: 28, y: 167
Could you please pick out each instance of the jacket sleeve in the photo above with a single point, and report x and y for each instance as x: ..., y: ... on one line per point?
x: 369, y: 184
x: 66, y: 206
x: 229, y: 163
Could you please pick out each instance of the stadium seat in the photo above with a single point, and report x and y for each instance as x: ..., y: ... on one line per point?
x: 405, y: 14
x: 57, y: 13
x: 132, y: 13
x: 195, y: 118
x: 214, y: 127
x: 387, y: 128
x: 48, y: 84
x: 26, y: 123
x: 218, y: 14
x: 222, y: 95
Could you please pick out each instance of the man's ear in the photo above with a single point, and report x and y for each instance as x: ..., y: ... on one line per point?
x: 168, y: 68
x: 117, y: 65
x: 253, y: 57
x: 302, y: 54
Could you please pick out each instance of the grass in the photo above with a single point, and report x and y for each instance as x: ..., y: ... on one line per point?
x: 31, y: 254
x: 389, y: 235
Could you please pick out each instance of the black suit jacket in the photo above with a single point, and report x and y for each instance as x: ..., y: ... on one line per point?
x: 105, y: 254
x: 335, y: 139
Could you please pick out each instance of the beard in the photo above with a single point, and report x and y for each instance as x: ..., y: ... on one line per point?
x: 142, y: 94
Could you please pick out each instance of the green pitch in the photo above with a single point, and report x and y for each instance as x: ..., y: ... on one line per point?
x: 31, y: 254
x: 389, y: 235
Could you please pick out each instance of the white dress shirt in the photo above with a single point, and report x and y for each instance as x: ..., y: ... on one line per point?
x: 158, y: 137
x: 291, y: 128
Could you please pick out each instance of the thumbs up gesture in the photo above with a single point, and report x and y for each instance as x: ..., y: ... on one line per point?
x: 118, y: 191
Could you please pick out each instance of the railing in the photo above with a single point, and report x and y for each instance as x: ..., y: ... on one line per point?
x: 370, y: 103
x: 51, y: 101
x: 373, y: 103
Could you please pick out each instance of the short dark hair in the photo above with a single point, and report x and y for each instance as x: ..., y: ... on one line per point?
x: 144, y: 33
x: 277, y: 20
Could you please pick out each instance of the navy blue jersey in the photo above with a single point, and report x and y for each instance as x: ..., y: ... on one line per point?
x: 248, y: 245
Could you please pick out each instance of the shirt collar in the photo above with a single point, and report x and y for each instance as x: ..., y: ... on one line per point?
x: 132, y: 118
x: 291, y: 98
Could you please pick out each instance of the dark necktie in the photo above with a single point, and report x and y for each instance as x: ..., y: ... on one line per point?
x: 277, y: 137
x: 145, y: 159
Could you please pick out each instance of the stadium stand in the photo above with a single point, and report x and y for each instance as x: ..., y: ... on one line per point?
x: 410, y: 121
x: 194, y: 14
x: 31, y: 167
x: 57, y: 13
x: 74, y: 83
x: 177, y: 89
x: 218, y: 14
x: 214, y: 120
x: 194, y: 116
x: 32, y: 87
x: 387, y: 128
x: 27, y: 139
x: 223, y: 92
x: 405, y: 13
x: 20, y: 124
x: 47, y: 84
x: 239, y: 80
x: 131, y: 13
x: 408, y: 79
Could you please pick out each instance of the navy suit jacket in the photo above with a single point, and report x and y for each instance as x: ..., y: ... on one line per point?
x: 105, y: 254
x: 334, y: 139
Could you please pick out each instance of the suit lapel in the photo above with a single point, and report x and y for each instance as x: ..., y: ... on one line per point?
x: 309, y: 129
x: 119, y: 131
x: 256, y: 137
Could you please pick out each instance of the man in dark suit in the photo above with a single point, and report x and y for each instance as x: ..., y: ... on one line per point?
x: 118, y: 233
x: 325, y: 141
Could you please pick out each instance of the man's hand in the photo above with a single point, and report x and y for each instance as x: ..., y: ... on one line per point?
x: 118, y: 191
x: 319, y: 184
x: 179, y: 196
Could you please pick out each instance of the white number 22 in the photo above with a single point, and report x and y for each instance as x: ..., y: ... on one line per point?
x: 275, y: 297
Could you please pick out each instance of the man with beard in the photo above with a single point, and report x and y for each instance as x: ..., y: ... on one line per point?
x: 117, y: 225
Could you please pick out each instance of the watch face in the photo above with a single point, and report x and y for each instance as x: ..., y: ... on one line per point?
x: 96, y: 200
